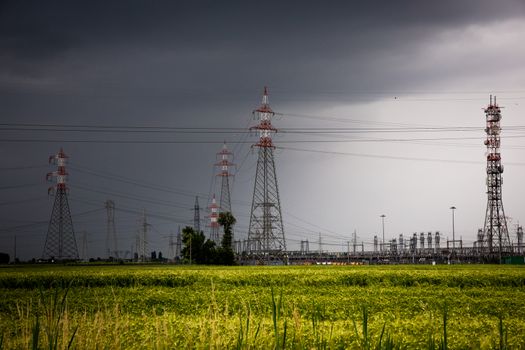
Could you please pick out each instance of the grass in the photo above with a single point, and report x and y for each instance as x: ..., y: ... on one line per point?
x: 316, y: 307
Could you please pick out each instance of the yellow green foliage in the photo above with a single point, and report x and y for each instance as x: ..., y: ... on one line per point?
x: 313, y: 307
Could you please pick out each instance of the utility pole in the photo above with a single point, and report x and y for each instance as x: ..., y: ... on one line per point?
x: 383, y: 216
x: 14, y: 257
x: 453, y: 230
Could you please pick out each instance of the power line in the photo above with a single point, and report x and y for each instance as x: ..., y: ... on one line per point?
x: 389, y: 157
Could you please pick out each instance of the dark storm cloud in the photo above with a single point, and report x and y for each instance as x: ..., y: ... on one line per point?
x: 203, y: 63
x: 288, y: 42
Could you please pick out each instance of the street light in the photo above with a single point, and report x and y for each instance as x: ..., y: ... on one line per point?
x: 383, y: 216
x: 453, y: 230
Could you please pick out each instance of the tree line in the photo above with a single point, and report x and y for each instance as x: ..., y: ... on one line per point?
x: 199, y: 250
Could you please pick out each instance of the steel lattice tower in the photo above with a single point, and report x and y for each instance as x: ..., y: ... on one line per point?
x: 224, y: 164
x: 496, y: 235
x: 143, y: 239
x: 111, y: 231
x: 196, y: 215
x: 60, y: 239
x: 266, y: 230
x: 214, y: 221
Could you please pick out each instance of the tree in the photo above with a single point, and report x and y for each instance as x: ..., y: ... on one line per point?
x: 197, y: 249
x: 225, y: 253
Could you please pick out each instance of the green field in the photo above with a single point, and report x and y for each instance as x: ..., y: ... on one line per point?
x: 314, y: 307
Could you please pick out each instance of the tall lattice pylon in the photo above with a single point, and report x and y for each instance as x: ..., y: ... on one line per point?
x: 111, y: 231
x: 224, y: 163
x: 196, y: 215
x: 214, y: 221
x: 496, y: 239
x: 266, y: 230
x: 60, y: 239
x: 142, y: 242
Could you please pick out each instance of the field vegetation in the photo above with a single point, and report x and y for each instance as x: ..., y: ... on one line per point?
x: 313, y: 307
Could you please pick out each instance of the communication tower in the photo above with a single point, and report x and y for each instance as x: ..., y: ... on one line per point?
x: 266, y: 228
x: 496, y: 234
x: 60, y: 239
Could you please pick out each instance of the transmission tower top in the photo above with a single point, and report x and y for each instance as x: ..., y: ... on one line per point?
x: 60, y: 160
x: 264, y: 114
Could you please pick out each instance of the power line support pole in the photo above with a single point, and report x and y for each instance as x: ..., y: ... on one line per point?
x: 266, y: 224
x: 111, y: 232
x: 196, y: 215
x: 144, y: 238
x: 60, y: 239
x: 214, y: 221
x: 383, y: 216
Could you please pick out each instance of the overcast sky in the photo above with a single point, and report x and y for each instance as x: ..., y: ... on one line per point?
x: 373, y: 64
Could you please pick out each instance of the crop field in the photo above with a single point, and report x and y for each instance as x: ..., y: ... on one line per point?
x: 311, y: 307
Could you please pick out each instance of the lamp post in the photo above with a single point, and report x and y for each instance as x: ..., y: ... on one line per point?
x: 383, y: 216
x: 453, y: 230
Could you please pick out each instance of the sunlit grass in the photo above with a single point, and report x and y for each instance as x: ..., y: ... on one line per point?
x: 316, y: 307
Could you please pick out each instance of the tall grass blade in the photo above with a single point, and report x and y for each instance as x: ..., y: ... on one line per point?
x: 35, y: 333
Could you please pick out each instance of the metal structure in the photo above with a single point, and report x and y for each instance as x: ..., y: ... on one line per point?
x: 266, y: 230
x: 60, y: 239
x: 224, y: 165
x: 453, y: 208
x: 196, y: 215
x: 496, y: 239
x: 214, y: 221
x: 111, y: 231
x: 383, y: 216
x: 142, y: 239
